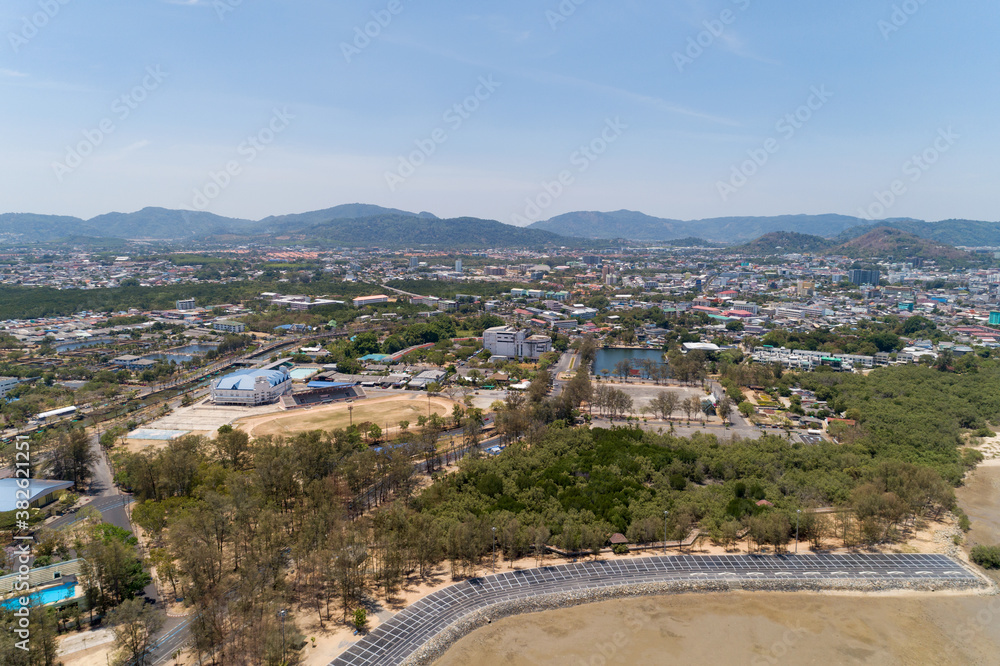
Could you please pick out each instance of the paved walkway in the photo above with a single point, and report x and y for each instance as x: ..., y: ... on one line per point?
x: 391, y: 643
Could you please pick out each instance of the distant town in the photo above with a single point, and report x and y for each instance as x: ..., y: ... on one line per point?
x: 415, y: 367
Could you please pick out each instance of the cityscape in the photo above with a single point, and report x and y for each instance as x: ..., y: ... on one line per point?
x: 569, y: 333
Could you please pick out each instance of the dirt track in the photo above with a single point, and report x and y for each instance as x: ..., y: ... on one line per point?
x: 389, y: 410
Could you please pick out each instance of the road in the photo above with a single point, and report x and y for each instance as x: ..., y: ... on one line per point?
x: 563, y: 365
x: 111, y: 503
x: 393, y: 641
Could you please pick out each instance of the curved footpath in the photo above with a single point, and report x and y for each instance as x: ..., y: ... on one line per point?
x: 422, y: 632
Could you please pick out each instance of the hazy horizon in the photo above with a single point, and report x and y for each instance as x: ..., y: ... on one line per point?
x: 692, y: 111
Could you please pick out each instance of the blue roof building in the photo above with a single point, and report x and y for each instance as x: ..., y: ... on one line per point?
x: 252, y: 387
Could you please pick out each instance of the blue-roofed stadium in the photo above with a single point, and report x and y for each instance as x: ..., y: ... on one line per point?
x: 252, y: 387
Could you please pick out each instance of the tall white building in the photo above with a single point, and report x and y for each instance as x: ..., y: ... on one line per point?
x: 509, y: 342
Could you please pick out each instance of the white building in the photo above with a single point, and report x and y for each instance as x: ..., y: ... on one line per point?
x: 7, y: 384
x: 186, y: 304
x: 362, y: 301
x: 229, y: 326
x: 508, y: 342
x: 252, y: 387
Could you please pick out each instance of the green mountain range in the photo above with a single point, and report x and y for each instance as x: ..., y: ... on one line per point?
x: 631, y: 225
x: 334, y: 225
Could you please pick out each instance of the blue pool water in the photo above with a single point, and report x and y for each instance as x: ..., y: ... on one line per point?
x: 47, y: 596
x: 302, y: 373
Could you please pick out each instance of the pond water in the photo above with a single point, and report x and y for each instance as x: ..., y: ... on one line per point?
x: 182, y: 354
x: 607, y: 358
x: 195, y: 349
x: 82, y: 344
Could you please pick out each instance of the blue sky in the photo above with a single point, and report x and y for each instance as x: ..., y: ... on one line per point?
x: 267, y: 90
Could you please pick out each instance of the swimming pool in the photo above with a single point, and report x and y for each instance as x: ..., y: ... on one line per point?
x: 48, y: 595
x: 302, y: 373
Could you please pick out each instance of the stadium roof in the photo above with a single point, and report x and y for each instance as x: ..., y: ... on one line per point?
x: 321, y: 385
x: 37, y: 489
x: 245, y: 380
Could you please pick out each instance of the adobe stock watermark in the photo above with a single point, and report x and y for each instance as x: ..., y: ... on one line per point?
x: 455, y: 116
x: 223, y: 7
x: 248, y: 150
x: 581, y: 159
x: 913, y: 170
x: 979, y: 622
x: 714, y: 29
x: 787, y: 127
x: 562, y: 13
x: 363, y: 35
x: 900, y: 16
x: 31, y: 25
x: 22, y: 553
x: 121, y: 108
x: 781, y: 650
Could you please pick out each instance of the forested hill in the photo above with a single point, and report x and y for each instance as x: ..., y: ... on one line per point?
x: 965, y: 233
x: 346, y: 212
x: 399, y: 231
x: 900, y: 245
x: 885, y: 242
x: 625, y: 224
x: 633, y: 225
x: 169, y: 224
x: 786, y: 242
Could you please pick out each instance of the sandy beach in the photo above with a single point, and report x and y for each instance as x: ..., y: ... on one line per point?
x: 746, y: 628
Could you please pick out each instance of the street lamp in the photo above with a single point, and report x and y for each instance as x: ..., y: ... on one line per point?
x: 494, y: 550
x: 798, y: 512
x: 665, y: 514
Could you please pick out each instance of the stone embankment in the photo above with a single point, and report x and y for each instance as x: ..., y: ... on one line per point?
x: 437, y: 646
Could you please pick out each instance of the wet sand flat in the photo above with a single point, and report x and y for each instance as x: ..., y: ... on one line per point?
x: 746, y: 628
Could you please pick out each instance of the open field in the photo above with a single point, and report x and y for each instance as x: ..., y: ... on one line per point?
x: 389, y: 410
x: 744, y: 628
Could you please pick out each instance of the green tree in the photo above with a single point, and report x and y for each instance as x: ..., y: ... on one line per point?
x: 134, y: 623
x: 72, y: 457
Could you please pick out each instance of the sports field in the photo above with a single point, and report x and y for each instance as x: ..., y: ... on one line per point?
x: 389, y: 410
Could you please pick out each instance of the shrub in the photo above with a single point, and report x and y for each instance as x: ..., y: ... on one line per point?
x: 619, y: 549
x: 987, y: 557
x: 360, y: 619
